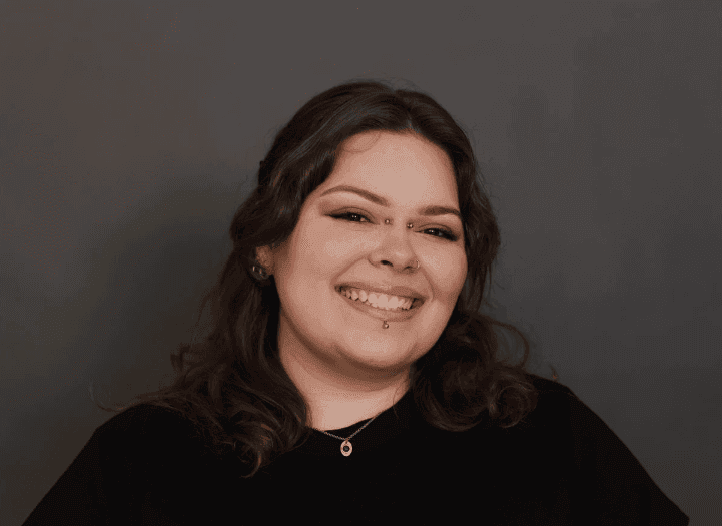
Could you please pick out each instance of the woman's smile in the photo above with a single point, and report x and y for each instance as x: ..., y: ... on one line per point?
x: 380, y: 314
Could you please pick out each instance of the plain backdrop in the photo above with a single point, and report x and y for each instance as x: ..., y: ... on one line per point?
x: 130, y: 132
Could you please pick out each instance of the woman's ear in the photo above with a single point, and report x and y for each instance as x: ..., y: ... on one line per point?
x: 265, y: 258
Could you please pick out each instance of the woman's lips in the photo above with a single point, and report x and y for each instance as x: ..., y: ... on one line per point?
x: 386, y: 315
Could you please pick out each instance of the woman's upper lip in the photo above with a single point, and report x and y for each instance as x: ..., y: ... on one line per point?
x: 391, y: 290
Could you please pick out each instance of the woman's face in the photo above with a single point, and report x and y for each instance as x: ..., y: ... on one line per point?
x: 321, y: 328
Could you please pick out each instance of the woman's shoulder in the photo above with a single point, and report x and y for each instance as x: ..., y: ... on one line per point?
x: 548, y: 386
x: 560, y: 410
x: 556, y: 404
x: 146, y: 422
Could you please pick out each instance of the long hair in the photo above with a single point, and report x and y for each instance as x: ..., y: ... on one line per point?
x: 231, y: 383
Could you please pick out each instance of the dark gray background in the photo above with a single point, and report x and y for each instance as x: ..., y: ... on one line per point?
x: 130, y: 132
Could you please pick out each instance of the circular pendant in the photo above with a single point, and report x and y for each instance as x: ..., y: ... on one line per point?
x: 346, y: 448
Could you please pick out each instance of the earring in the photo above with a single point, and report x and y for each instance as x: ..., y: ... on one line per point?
x: 259, y: 273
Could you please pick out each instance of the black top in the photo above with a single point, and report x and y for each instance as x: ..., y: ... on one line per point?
x: 561, y: 465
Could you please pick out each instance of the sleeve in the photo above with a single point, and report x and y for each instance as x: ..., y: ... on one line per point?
x: 617, y: 488
x: 76, y: 497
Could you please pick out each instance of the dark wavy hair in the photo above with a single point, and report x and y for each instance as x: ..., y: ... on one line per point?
x: 232, y: 384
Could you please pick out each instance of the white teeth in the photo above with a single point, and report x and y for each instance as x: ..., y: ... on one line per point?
x: 379, y: 301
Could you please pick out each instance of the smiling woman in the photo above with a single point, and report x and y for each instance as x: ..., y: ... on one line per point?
x: 348, y: 363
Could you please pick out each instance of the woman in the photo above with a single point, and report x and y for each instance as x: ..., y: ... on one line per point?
x: 349, y: 376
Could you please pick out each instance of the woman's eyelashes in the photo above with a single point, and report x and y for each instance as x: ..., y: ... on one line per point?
x: 346, y: 215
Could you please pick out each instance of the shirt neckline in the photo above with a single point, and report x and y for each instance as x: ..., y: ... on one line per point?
x: 387, y: 426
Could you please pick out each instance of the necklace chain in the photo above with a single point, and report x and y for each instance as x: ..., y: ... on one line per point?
x: 346, y: 445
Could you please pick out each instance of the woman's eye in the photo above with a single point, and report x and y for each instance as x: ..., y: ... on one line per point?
x: 347, y: 216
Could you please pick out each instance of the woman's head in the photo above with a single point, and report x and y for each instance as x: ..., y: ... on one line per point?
x: 341, y: 238
x: 408, y: 151
x: 403, y: 147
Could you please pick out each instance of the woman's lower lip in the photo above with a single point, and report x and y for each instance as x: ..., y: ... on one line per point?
x: 381, y: 314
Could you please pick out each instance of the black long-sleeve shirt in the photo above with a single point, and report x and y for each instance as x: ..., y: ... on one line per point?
x: 562, y: 465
